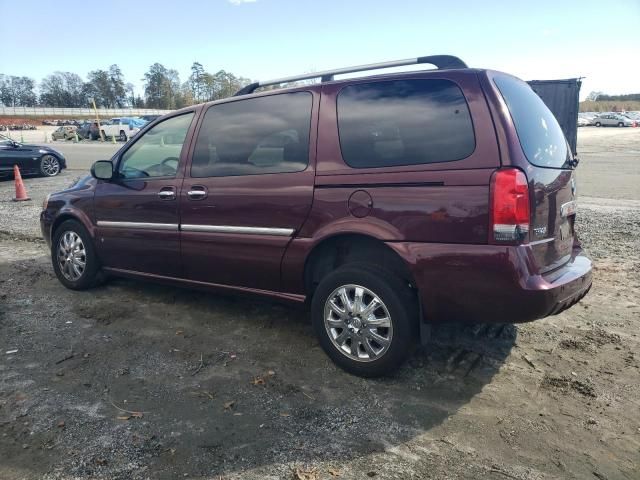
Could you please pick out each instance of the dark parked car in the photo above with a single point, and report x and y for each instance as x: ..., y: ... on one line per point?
x: 31, y: 159
x: 89, y: 131
x: 387, y: 203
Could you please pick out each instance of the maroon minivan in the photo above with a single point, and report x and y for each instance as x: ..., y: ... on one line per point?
x: 387, y: 202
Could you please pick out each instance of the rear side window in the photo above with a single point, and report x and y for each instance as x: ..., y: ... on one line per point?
x: 540, y: 135
x: 407, y: 122
x: 254, y: 136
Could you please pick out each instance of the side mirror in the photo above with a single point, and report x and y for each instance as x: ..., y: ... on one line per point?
x: 102, y: 170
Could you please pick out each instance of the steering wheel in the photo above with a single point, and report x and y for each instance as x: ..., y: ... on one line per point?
x: 171, y: 159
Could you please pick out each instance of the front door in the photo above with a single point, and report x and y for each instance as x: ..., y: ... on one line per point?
x: 136, y: 213
x: 248, y: 188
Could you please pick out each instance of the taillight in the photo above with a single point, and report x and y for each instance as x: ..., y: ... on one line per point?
x: 510, y: 214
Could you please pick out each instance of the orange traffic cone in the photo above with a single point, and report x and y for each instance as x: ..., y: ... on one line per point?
x: 21, y: 192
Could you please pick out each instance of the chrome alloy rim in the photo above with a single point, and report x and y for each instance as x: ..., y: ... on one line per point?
x: 50, y: 165
x: 358, y: 323
x: 72, y: 256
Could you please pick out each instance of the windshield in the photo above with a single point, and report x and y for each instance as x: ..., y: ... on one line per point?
x: 4, y: 140
x: 137, y: 123
x: 540, y: 135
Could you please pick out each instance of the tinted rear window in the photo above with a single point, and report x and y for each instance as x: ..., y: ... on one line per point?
x: 407, y: 122
x: 541, y: 137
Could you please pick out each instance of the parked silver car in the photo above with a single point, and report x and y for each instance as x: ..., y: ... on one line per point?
x: 585, y: 119
x: 612, y: 120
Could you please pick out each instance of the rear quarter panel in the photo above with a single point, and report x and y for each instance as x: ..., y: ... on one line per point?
x: 445, y: 202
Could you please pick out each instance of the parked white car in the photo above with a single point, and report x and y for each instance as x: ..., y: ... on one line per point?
x: 121, y: 128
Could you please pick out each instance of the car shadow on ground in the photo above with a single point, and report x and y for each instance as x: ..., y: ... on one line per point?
x: 218, y: 384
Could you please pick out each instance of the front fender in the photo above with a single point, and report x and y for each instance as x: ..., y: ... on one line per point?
x: 75, y: 203
x: 50, y: 219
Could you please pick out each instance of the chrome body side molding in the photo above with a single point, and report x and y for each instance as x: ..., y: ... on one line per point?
x: 280, y: 232
x: 139, y: 225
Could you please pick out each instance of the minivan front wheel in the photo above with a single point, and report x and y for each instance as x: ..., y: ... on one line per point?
x: 365, y: 319
x: 73, y: 256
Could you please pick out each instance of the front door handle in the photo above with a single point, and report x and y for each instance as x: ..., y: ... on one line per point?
x: 167, y: 193
x: 197, y: 192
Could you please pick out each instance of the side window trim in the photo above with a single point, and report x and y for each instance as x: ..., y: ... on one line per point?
x: 186, y: 145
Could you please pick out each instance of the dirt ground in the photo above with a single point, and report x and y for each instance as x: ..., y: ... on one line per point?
x: 134, y: 380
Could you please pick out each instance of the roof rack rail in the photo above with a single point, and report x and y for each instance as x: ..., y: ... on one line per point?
x: 442, y: 62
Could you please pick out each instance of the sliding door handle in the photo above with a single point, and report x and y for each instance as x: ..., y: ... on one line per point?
x: 197, y: 192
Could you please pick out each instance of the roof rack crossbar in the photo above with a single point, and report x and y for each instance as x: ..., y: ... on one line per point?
x: 442, y: 62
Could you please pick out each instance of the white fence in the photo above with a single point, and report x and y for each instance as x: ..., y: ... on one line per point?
x: 77, y: 112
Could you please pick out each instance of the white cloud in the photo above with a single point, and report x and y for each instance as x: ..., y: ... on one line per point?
x: 240, y: 2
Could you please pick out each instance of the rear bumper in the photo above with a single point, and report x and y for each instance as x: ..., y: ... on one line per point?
x: 491, y: 283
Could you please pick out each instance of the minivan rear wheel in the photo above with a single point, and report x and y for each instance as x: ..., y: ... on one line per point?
x: 123, y: 136
x: 73, y: 256
x: 365, y: 319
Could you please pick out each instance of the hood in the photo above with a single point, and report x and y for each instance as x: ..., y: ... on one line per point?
x: 79, y: 183
x: 29, y: 146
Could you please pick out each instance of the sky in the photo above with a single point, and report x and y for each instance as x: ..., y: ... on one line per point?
x: 263, y: 39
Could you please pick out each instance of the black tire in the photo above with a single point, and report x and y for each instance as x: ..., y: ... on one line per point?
x: 400, y: 302
x: 123, y: 136
x: 598, y: 124
x: 620, y: 124
x: 104, y: 136
x: 91, y: 275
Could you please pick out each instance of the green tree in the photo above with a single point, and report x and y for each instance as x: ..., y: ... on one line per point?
x: 63, y: 89
x: 138, y: 102
x: 196, y: 81
x: 130, y: 95
x: 162, y: 87
x: 98, y: 87
x: 118, y: 90
x: 17, y: 91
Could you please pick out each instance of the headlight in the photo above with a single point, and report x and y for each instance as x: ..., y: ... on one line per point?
x: 45, y: 204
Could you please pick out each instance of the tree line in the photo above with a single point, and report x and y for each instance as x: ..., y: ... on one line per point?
x: 109, y: 88
x: 602, y: 97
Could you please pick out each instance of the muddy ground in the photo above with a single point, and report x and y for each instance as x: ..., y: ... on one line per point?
x: 133, y: 380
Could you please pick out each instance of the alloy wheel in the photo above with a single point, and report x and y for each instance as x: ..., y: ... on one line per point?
x: 50, y: 165
x: 358, y: 323
x: 72, y: 256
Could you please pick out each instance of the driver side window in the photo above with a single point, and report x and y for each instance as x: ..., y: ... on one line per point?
x: 157, y: 152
